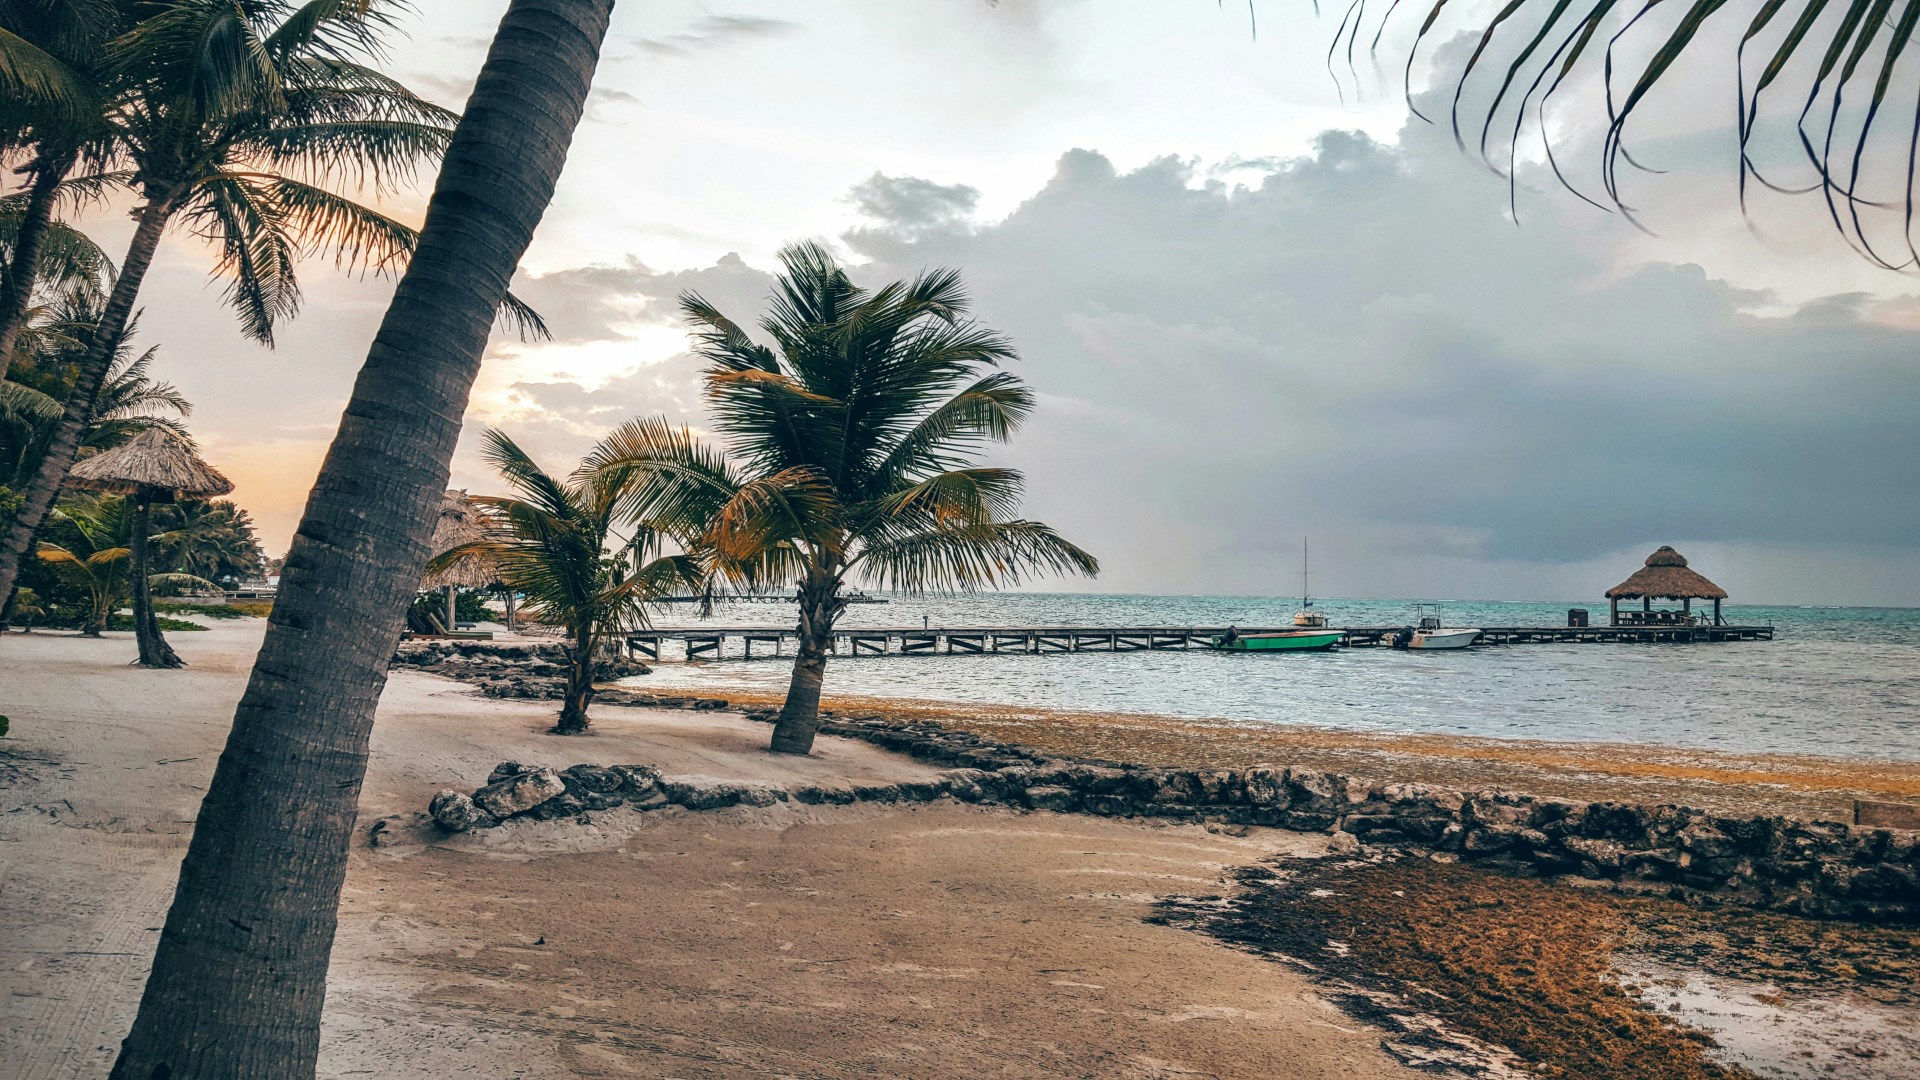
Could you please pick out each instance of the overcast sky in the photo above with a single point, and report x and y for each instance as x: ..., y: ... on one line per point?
x: 1255, y: 306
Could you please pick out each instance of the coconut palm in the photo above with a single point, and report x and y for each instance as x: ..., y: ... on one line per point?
x: 229, y: 115
x: 1830, y: 68
x: 239, y: 977
x: 89, y: 549
x: 849, y: 454
x: 52, y: 66
x: 213, y: 540
x: 130, y: 400
x: 555, y: 543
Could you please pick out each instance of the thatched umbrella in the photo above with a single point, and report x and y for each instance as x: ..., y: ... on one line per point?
x: 153, y: 466
x: 1666, y: 577
x: 460, y: 523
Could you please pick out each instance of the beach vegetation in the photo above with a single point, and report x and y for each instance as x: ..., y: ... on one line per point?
x: 234, y: 119
x: 554, y: 541
x: 849, y: 451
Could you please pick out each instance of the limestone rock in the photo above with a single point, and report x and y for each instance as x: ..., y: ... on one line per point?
x: 455, y: 811
x: 519, y: 793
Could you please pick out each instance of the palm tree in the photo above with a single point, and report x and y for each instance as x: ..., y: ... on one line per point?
x: 52, y: 57
x: 240, y: 974
x: 90, y: 550
x: 555, y: 542
x: 852, y: 450
x: 209, y: 539
x: 130, y: 400
x: 228, y: 113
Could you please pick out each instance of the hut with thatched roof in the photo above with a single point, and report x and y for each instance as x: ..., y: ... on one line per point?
x: 1665, y: 576
x: 153, y: 466
x: 460, y: 523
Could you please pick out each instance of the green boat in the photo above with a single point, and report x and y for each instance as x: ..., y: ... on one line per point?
x: 1283, y: 640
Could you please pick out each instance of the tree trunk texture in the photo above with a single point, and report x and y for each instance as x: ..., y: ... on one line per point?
x: 154, y: 650
x: 820, y: 606
x: 239, y: 977
x: 573, y: 710
x: 45, y: 485
x: 16, y: 288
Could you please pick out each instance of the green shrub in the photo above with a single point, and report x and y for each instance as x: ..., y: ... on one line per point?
x: 194, y: 607
x: 125, y: 622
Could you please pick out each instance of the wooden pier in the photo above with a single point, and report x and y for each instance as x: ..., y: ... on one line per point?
x: 708, y: 642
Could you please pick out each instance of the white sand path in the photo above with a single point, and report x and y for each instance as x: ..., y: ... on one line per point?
x: 926, y: 941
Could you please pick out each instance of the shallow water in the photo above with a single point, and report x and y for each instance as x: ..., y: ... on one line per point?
x: 1834, y: 681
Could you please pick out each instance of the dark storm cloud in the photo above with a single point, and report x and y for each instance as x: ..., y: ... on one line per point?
x: 1362, y: 347
x: 1361, y: 343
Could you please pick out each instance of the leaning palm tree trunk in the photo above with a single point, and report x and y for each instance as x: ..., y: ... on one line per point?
x: 16, y: 290
x: 65, y: 446
x: 240, y: 975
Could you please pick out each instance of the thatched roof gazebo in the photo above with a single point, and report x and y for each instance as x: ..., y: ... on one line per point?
x: 153, y: 466
x: 461, y: 522
x: 1665, y: 576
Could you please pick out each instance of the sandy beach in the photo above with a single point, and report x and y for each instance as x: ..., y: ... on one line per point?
x: 929, y: 941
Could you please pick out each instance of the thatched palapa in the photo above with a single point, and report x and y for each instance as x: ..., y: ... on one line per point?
x: 155, y: 459
x: 460, y: 522
x: 1665, y: 576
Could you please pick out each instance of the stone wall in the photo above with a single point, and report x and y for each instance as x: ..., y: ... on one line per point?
x: 1822, y: 869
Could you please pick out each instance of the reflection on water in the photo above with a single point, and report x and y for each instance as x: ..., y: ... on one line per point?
x: 1834, y: 681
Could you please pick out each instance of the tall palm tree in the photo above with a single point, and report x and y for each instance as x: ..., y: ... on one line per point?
x: 555, y: 542
x: 240, y: 974
x: 52, y: 59
x: 228, y: 114
x: 850, y: 454
x: 129, y: 401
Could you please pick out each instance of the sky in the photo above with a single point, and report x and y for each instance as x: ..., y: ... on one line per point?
x: 1258, y: 300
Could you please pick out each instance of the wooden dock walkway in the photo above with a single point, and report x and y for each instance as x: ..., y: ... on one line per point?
x: 708, y: 642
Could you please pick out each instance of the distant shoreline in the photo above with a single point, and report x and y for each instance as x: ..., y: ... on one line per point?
x: 1796, y: 785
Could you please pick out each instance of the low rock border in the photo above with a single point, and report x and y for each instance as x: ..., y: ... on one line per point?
x: 1810, y: 868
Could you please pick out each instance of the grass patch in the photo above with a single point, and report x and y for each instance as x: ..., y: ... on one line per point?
x: 125, y: 622
x: 239, y: 609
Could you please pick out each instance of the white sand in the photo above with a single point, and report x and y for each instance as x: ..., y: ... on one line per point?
x: 927, y: 941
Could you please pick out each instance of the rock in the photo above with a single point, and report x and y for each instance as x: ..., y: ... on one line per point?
x: 700, y: 796
x: 1343, y: 843
x: 519, y: 793
x: 1053, y: 797
x: 638, y: 781
x: 455, y: 811
x: 595, y: 778
x: 505, y: 769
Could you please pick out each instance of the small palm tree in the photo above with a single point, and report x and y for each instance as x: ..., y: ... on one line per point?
x: 209, y: 539
x: 851, y: 452
x: 555, y: 543
x: 90, y: 550
x: 26, y: 610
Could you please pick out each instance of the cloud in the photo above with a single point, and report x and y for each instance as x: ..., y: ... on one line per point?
x: 1358, y: 344
x: 715, y: 32
x: 909, y: 206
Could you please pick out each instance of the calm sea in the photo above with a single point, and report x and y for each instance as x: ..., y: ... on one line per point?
x: 1834, y: 681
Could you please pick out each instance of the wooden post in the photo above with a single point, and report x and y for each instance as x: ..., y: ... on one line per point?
x: 512, y: 602
x: 1613, y: 611
x: 1686, y: 609
x: 452, y: 606
x: 1716, y: 612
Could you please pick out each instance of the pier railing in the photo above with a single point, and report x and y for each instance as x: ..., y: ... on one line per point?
x: 710, y: 642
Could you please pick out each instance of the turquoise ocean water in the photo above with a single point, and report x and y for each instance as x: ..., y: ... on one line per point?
x: 1834, y: 681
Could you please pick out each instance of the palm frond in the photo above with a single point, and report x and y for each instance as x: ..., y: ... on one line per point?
x: 793, y: 504
x: 29, y: 72
x: 1839, y: 93
x: 965, y: 558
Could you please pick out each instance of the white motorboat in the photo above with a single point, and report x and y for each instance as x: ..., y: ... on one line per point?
x: 1432, y: 634
x: 1443, y: 637
x: 1307, y: 618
